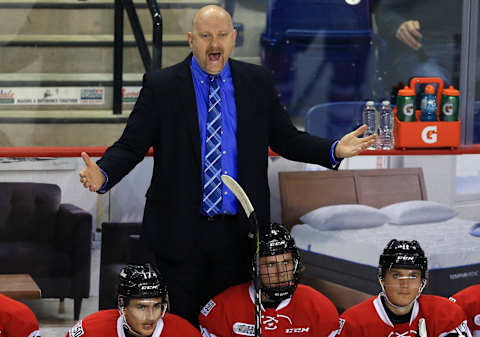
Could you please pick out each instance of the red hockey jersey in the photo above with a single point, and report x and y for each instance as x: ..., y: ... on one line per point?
x: 109, y: 323
x: 369, y: 318
x: 232, y: 313
x: 16, y: 319
x: 469, y: 300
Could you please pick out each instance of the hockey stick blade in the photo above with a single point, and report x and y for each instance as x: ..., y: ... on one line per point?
x: 422, y: 328
x: 239, y: 193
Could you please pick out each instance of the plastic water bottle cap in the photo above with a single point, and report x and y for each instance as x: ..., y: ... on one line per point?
x: 386, y: 102
x: 451, y: 91
x: 429, y: 89
x: 407, y: 91
x: 370, y: 103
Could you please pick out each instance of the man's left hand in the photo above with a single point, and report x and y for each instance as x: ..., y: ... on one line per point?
x: 351, y: 145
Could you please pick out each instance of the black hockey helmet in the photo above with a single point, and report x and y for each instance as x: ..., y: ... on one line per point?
x: 140, y: 281
x: 403, y: 254
x: 276, y: 240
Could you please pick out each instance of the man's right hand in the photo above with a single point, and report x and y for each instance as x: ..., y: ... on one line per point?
x: 409, y: 33
x: 91, y: 176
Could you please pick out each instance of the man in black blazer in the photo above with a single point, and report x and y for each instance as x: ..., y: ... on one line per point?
x: 201, y: 253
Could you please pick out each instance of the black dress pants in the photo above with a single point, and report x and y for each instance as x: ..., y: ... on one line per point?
x: 221, y: 257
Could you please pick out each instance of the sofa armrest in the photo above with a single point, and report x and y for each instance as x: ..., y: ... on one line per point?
x: 73, y: 234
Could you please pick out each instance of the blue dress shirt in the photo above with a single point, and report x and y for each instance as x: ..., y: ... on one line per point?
x: 229, y: 125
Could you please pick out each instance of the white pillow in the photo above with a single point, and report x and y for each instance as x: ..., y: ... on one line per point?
x: 417, y: 212
x: 344, y: 217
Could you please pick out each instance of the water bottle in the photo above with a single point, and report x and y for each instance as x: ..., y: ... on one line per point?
x: 385, y: 128
x: 429, y: 105
x: 370, y: 118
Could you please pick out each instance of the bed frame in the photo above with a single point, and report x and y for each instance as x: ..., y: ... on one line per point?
x: 347, y: 283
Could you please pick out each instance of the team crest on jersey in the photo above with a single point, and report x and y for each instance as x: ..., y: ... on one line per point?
x: 77, y: 330
x: 207, y: 308
x: 244, y: 329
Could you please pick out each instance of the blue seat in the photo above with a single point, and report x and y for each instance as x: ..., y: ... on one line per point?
x: 318, y: 51
x: 335, y: 119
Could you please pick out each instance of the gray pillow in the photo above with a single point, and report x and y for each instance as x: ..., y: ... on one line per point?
x: 418, y: 212
x: 344, y: 217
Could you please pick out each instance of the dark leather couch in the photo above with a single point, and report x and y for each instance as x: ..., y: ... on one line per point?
x: 121, y: 244
x: 46, y: 239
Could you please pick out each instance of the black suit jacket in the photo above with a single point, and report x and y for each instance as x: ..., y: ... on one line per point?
x: 165, y: 117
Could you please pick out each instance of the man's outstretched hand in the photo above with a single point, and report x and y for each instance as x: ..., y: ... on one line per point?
x: 350, y: 145
x: 91, y: 177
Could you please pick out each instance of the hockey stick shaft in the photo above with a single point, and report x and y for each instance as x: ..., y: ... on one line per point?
x: 252, y: 218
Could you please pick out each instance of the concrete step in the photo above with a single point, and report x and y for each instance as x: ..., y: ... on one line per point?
x: 79, y: 59
x: 66, y: 79
x: 54, y: 40
x: 86, y: 20
x: 99, y: 3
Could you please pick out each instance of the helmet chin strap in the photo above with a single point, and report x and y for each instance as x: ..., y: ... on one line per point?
x: 125, y: 323
x: 399, y: 307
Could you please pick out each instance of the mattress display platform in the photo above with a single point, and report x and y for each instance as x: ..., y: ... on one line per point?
x: 350, y: 257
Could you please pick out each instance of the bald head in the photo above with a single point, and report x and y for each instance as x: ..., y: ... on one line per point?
x: 209, y: 11
x: 212, y: 38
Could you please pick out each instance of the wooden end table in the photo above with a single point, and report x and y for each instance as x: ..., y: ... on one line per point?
x: 19, y: 286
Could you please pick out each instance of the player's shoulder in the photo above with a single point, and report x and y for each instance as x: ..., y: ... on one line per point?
x: 180, y: 326
x: 439, y: 305
x: 13, y: 306
x: 360, y: 309
x: 307, y: 293
x: 97, y: 323
x: 233, y: 292
x: 234, y: 295
x: 468, y: 292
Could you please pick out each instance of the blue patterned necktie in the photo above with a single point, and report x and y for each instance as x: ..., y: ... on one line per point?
x: 212, y: 184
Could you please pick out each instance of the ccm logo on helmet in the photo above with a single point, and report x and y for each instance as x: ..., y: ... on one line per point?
x: 429, y: 134
x: 149, y: 287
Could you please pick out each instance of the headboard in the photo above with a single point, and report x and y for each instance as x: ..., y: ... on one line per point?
x: 301, y: 192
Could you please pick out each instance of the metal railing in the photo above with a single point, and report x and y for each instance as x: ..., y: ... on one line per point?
x: 149, y: 62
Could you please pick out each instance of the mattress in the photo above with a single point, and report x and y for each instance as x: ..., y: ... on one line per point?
x: 350, y: 257
x: 447, y: 244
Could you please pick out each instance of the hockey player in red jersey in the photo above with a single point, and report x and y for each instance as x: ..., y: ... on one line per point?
x: 469, y: 301
x: 288, y: 308
x: 401, y: 310
x: 16, y: 319
x: 142, y: 310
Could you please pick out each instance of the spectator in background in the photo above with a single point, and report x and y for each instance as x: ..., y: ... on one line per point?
x: 16, y: 319
x: 422, y: 39
x: 469, y: 300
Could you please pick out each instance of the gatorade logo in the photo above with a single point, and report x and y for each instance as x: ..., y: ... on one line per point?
x: 408, y: 109
x: 429, y: 134
x: 448, y: 109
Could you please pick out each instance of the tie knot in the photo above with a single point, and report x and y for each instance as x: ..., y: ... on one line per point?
x: 212, y: 78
